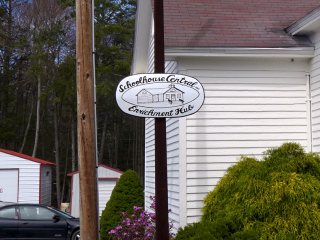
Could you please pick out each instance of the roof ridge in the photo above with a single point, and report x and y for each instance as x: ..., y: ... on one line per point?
x: 27, y: 157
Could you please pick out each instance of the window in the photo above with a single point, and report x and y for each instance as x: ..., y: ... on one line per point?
x: 45, y: 214
x: 29, y: 212
x: 167, y: 96
x: 9, y: 213
x: 35, y: 213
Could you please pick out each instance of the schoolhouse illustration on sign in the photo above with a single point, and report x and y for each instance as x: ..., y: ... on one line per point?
x: 160, y: 95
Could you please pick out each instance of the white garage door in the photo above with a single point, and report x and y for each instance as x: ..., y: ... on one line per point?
x: 105, y: 189
x: 9, y: 185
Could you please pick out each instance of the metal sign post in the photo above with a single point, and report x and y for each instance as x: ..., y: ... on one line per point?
x: 161, y: 185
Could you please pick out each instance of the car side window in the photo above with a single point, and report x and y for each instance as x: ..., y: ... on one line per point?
x: 45, y: 214
x: 8, y: 213
x: 35, y: 213
x: 28, y: 213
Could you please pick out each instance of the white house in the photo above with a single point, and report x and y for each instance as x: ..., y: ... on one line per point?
x: 24, y: 179
x: 259, y: 63
x: 107, y: 180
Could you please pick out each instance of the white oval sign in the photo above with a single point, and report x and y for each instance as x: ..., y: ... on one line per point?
x: 160, y: 95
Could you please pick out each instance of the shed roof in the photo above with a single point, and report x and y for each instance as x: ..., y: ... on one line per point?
x: 26, y: 157
x: 99, y: 165
x: 234, y: 23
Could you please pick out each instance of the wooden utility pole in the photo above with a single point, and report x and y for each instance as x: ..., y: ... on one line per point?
x: 86, y: 123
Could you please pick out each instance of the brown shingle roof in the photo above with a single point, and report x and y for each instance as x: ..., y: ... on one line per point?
x: 234, y: 23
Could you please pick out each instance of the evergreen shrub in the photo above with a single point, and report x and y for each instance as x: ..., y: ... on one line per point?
x: 276, y: 198
x: 220, y: 229
x: 127, y: 193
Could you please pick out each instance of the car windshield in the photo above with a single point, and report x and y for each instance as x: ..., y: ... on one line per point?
x: 66, y: 215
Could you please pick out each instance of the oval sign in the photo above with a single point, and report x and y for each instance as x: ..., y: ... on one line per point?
x: 160, y: 95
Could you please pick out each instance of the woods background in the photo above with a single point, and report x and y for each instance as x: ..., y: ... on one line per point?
x: 38, y: 99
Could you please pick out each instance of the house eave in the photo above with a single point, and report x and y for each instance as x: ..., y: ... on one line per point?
x: 298, y: 52
x: 143, y: 27
x: 306, y: 25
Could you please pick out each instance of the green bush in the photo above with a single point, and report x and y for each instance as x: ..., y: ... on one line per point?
x: 219, y: 229
x: 276, y: 198
x: 127, y: 193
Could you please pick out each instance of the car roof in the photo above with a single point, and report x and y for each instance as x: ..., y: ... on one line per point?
x: 6, y: 203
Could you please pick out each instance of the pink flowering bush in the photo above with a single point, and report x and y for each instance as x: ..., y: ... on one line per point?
x: 141, y: 225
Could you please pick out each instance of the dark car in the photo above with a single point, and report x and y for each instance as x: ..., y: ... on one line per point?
x: 36, y: 221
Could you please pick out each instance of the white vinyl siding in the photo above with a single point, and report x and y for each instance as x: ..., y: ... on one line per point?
x: 173, y: 170
x: 151, y: 56
x: 104, y: 172
x: 105, y: 188
x: 250, y: 105
x: 75, y: 196
x: 29, y: 176
x: 172, y: 166
x: 315, y: 93
x: 149, y: 161
x: 107, y: 178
